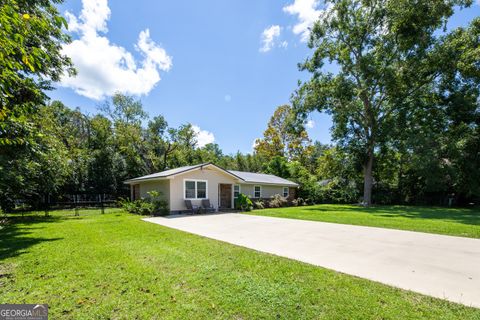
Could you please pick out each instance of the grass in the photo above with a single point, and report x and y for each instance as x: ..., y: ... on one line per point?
x: 464, y: 222
x: 118, y: 267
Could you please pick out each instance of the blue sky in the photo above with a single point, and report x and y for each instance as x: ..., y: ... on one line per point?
x: 223, y: 66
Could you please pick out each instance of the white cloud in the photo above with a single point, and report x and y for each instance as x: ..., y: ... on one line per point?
x: 307, y: 13
x: 105, y: 68
x: 310, y: 124
x: 255, y: 143
x: 269, y: 37
x: 204, y: 137
x: 228, y: 98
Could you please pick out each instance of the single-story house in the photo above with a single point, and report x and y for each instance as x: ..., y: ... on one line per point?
x: 209, y: 181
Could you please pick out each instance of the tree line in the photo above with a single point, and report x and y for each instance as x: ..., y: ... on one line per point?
x: 404, y: 101
x: 70, y: 152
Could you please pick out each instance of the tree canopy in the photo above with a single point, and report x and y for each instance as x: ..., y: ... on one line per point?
x: 282, y: 139
x: 391, y: 58
x: 31, y: 39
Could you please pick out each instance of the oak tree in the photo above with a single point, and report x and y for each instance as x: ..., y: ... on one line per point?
x: 384, y: 52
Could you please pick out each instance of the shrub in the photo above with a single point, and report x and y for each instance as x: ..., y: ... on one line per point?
x: 243, y: 203
x: 152, y: 205
x: 301, y: 201
x: 298, y: 202
x: 259, y: 204
x: 136, y: 207
x: 145, y: 207
x: 126, y: 204
x: 278, y: 201
x: 339, y: 190
x: 160, y: 205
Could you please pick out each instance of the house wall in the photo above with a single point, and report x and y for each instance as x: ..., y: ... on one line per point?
x: 162, y: 186
x: 172, y: 189
x: 267, y: 190
x: 214, y: 178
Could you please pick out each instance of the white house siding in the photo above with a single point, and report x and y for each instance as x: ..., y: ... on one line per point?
x: 214, y: 178
x: 172, y: 188
x: 267, y: 190
x: 162, y: 186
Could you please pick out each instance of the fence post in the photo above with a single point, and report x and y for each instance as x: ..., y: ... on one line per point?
x: 75, y: 205
x: 101, y: 204
x: 47, y: 202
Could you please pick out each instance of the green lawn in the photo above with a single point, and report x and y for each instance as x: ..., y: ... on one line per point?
x: 451, y: 221
x: 116, y: 266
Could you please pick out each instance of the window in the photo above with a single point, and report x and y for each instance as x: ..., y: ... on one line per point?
x: 285, y: 192
x: 257, y: 191
x: 236, y: 191
x: 190, y: 189
x: 195, y: 189
x: 201, y: 189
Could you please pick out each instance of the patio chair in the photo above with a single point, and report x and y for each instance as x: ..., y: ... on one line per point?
x: 191, y: 208
x: 207, y: 207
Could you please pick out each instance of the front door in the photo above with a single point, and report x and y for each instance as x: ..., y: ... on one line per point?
x: 135, y: 192
x: 225, y: 195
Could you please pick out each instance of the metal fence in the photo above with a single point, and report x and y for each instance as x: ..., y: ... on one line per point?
x: 74, y: 201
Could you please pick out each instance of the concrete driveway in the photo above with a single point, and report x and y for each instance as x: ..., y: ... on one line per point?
x: 440, y: 266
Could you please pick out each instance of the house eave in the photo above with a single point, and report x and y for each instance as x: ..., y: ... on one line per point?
x: 134, y: 181
x: 293, y: 185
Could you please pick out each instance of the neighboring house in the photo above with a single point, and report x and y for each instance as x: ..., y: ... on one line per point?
x: 323, y: 183
x: 208, y: 181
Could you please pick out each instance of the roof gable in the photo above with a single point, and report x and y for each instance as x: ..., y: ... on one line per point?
x: 173, y: 172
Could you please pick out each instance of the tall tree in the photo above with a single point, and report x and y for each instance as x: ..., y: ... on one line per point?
x: 159, y: 138
x: 278, y: 166
x: 72, y: 129
x: 105, y: 169
x: 279, y: 139
x: 210, y: 153
x: 386, y: 52
x: 31, y: 39
x: 127, y: 114
x: 187, y: 145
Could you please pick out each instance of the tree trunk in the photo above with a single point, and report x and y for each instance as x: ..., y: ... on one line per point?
x: 370, y: 130
x: 368, y: 179
x: 165, y: 156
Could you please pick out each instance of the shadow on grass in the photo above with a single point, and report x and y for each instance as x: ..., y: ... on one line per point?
x: 14, y: 236
x: 470, y: 216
